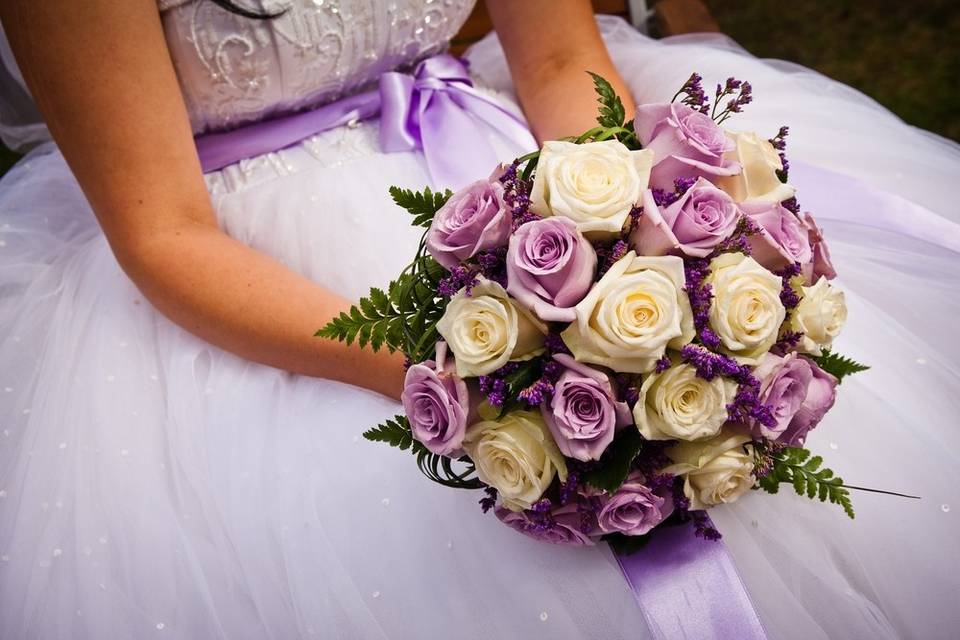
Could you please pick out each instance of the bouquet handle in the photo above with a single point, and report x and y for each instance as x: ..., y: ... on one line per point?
x: 690, y: 588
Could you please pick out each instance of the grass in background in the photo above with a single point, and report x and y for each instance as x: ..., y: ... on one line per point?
x: 905, y: 54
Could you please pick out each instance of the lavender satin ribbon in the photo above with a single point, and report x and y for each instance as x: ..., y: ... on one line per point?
x: 688, y: 587
x: 436, y: 110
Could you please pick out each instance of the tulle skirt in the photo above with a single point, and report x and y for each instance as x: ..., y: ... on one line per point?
x: 151, y: 484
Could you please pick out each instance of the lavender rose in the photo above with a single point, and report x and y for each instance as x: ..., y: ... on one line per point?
x: 473, y: 219
x: 784, y: 385
x: 550, y: 267
x: 436, y: 402
x: 584, y: 412
x: 821, y: 394
x: 820, y: 264
x: 694, y: 225
x: 561, y: 525
x: 634, y: 509
x: 782, y: 239
x: 685, y: 143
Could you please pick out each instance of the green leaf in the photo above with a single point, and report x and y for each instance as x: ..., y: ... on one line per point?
x: 612, y: 112
x: 395, y: 432
x: 614, y: 466
x: 837, y: 365
x: 421, y: 205
x: 795, y: 465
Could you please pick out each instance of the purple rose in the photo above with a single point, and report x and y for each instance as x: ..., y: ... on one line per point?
x: 695, y: 224
x: 473, y: 219
x: 562, y: 525
x: 782, y: 239
x: 584, y: 412
x: 550, y: 268
x: 821, y: 395
x: 634, y: 509
x: 819, y: 264
x: 685, y: 143
x: 437, y: 404
x: 784, y: 384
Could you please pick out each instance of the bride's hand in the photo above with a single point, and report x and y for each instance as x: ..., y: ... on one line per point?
x: 550, y: 45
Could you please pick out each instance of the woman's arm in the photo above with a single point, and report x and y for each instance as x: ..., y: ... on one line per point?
x: 102, y: 77
x: 550, y: 45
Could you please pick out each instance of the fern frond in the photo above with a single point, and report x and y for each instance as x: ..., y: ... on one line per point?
x: 612, y: 113
x: 837, y: 365
x: 795, y: 465
x: 421, y: 205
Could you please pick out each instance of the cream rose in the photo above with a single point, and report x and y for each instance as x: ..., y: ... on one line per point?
x: 679, y: 405
x: 758, y: 181
x: 714, y: 471
x: 820, y: 316
x: 487, y: 328
x: 517, y: 456
x: 594, y: 184
x: 630, y: 317
x: 746, y: 312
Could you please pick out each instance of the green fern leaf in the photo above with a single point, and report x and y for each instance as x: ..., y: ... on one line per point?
x: 395, y: 432
x: 837, y: 365
x: 421, y: 205
x: 612, y: 112
x: 795, y: 465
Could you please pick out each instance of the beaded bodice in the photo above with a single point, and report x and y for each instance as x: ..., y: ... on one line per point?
x: 234, y: 69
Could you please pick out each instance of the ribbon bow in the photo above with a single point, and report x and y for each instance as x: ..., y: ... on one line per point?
x: 438, y: 110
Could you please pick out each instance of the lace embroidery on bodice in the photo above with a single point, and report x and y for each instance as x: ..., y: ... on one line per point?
x: 234, y: 70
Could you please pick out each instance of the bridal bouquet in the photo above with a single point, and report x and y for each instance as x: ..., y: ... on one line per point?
x: 618, y: 331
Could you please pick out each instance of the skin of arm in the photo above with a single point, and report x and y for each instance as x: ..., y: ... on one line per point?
x: 550, y: 45
x: 101, y: 75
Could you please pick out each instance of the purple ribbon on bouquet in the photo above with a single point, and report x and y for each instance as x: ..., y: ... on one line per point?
x: 436, y: 110
x: 688, y: 587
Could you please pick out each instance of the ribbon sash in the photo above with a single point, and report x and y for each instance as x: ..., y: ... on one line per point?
x: 688, y: 587
x: 436, y: 110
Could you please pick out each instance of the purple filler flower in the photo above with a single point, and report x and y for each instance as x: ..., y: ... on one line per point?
x: 584, y: 412
x: 821, y: 395
x: 784, y: 384
x: 437, y: 404
x: 558, y: 526
x: 685, y: 143
x: 695, y: 224
x: 550, y: 267
x: 473, y: 219
x: 782, y: 239
x: 634, y: 509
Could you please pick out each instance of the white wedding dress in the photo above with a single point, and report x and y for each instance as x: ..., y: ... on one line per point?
x: 152, y: 485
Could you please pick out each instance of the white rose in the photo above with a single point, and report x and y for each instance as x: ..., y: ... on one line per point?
x: 487, y: 329
x: 757, y: 181
x: 516, y: 455
x: 746, y: 311
x: 820, y: 316
x: 630, y: 317
x: 594, y: 184
x: 679, y: 405
x: 714, y: 471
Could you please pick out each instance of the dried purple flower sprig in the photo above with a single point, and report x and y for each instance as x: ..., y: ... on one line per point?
x: 693, y: 94
x: 744, y: 97
x: 779, y: 143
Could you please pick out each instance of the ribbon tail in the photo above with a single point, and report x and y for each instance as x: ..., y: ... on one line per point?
x: 398, y: 130
x: 497, y: 116
x: 689, y: 588
x: 455, y: 146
